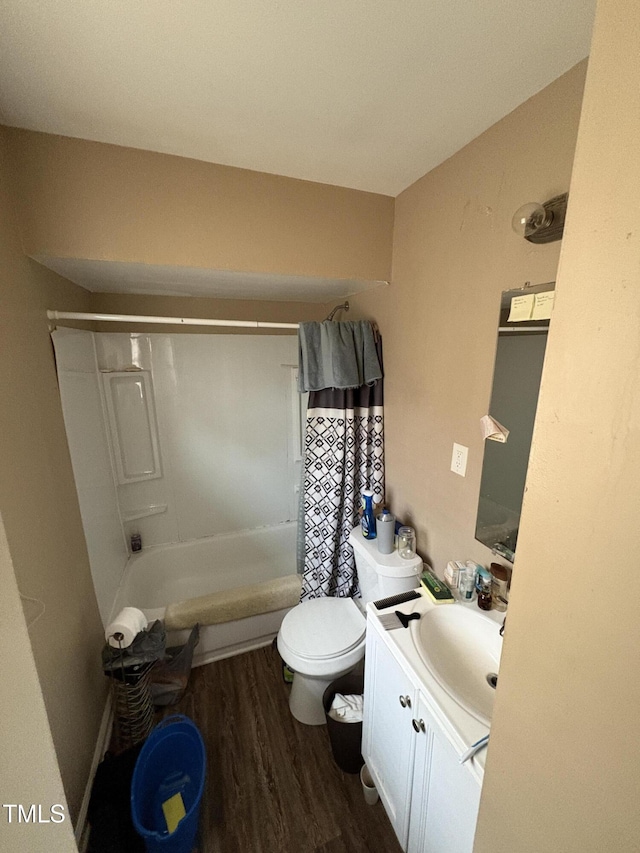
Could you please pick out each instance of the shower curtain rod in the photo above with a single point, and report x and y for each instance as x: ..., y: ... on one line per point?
x: 168, y: 321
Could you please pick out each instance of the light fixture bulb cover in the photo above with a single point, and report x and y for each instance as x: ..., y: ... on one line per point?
x: 541, y: 223
x: 529, y: 218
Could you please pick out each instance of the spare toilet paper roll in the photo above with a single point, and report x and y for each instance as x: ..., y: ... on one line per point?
x: 129, y: 622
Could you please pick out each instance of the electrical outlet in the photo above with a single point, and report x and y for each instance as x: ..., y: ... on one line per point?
x: 459, y: 459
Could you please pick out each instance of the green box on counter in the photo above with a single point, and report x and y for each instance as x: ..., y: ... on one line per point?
x: 437, y: 589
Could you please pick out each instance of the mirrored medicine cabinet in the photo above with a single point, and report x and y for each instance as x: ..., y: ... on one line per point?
x: 522, y: 340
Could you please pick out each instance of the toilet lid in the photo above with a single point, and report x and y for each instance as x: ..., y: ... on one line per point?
x: 323, y: 627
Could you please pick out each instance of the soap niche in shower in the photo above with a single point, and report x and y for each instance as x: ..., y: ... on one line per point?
x: 132, y: 425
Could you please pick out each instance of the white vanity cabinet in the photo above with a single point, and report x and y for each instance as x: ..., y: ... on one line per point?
x: 388, y: 739
x: 444, y: 795
x: 431, y: 799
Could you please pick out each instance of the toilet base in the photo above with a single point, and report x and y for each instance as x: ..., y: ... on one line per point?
x: 305, y: 699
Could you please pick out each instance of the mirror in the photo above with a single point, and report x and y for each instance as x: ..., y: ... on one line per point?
x: 522, y: 340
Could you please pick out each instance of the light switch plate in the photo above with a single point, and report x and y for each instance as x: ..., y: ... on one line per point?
x: 459, y: 459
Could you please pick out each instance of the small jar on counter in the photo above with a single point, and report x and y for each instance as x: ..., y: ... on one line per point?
x: 499, y: 585
x: 407, y: 542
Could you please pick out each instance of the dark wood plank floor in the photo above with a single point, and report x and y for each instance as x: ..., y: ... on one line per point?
x: 272, y: 785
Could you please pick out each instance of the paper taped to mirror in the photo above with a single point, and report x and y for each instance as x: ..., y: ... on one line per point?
x: 493, y: 429
x: 521, y: 308
x: 543, y: 305
x: 532, y: 306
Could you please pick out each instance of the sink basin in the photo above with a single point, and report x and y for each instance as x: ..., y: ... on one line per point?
x: 461, y: 649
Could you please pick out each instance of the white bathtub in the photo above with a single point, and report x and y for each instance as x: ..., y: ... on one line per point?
x: 164, y: 574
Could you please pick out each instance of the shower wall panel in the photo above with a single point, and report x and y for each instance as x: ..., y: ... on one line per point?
x: 228, y: 430
x: 82, y: 408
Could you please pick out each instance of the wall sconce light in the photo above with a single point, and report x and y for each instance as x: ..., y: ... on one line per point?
x: 541, y: 223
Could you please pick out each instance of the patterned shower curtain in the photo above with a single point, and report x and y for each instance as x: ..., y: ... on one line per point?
x: 344, y: 454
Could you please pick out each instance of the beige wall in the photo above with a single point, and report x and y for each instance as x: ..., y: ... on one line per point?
x: 563, y: 770
x: 25, y: 737
x: 454, y: 252
x: 39, y: 504
x: 91, y: 200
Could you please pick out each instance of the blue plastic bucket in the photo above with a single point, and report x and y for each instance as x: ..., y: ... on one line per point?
x: 172, y: 761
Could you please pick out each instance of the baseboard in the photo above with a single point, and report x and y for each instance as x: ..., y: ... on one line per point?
x: 102, y: 742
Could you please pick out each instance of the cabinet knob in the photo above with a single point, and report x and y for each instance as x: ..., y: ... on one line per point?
x: 405, y: 701
x: 418, y: 725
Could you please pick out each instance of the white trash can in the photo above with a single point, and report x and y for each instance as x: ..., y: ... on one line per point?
x: 368, y: 788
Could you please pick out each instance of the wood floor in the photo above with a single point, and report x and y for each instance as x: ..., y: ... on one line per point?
x: 272, y: 785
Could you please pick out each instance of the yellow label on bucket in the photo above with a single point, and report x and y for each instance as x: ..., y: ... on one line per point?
x: 173, y: 809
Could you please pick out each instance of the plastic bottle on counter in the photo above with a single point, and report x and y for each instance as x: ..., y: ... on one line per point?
x: 483, y: 587
x: 368, y: 520
x: 467, y: 581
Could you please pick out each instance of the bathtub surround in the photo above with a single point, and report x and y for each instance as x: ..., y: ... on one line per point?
x: 86, y: 429
x: 228, y: 425
x: 212, y: 447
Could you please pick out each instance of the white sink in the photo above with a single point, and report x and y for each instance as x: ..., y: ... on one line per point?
x: 461, y: 648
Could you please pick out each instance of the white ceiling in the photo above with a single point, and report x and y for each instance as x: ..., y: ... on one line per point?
x: 121, y: 277
x: 369, y: 95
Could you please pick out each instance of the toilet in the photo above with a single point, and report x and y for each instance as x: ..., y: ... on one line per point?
x: 323, y: 638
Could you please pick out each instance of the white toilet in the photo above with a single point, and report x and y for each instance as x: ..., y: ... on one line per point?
x: 323, y: 639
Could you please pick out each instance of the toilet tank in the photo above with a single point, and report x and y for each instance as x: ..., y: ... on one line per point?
x: 381, y: 575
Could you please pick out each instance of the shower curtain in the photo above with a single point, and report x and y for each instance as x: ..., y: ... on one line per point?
x: 343, y: 455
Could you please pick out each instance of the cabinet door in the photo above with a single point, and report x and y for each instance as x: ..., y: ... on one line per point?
x: 388, y: 738
x: 423, y: 734
x: 445, y: 795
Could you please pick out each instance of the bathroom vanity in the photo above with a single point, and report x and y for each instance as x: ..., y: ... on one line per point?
x: 426, y: 700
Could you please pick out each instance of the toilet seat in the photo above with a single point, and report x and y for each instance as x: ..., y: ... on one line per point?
x: 323, y: 628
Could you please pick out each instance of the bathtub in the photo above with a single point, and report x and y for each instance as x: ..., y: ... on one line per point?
x: 165, y: 574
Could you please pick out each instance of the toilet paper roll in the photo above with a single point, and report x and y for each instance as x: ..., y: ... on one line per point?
x: 129, y: 622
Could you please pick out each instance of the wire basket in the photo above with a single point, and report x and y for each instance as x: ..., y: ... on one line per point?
x: 132, y: 705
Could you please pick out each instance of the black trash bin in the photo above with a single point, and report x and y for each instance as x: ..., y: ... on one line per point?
x: 346, y: 738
